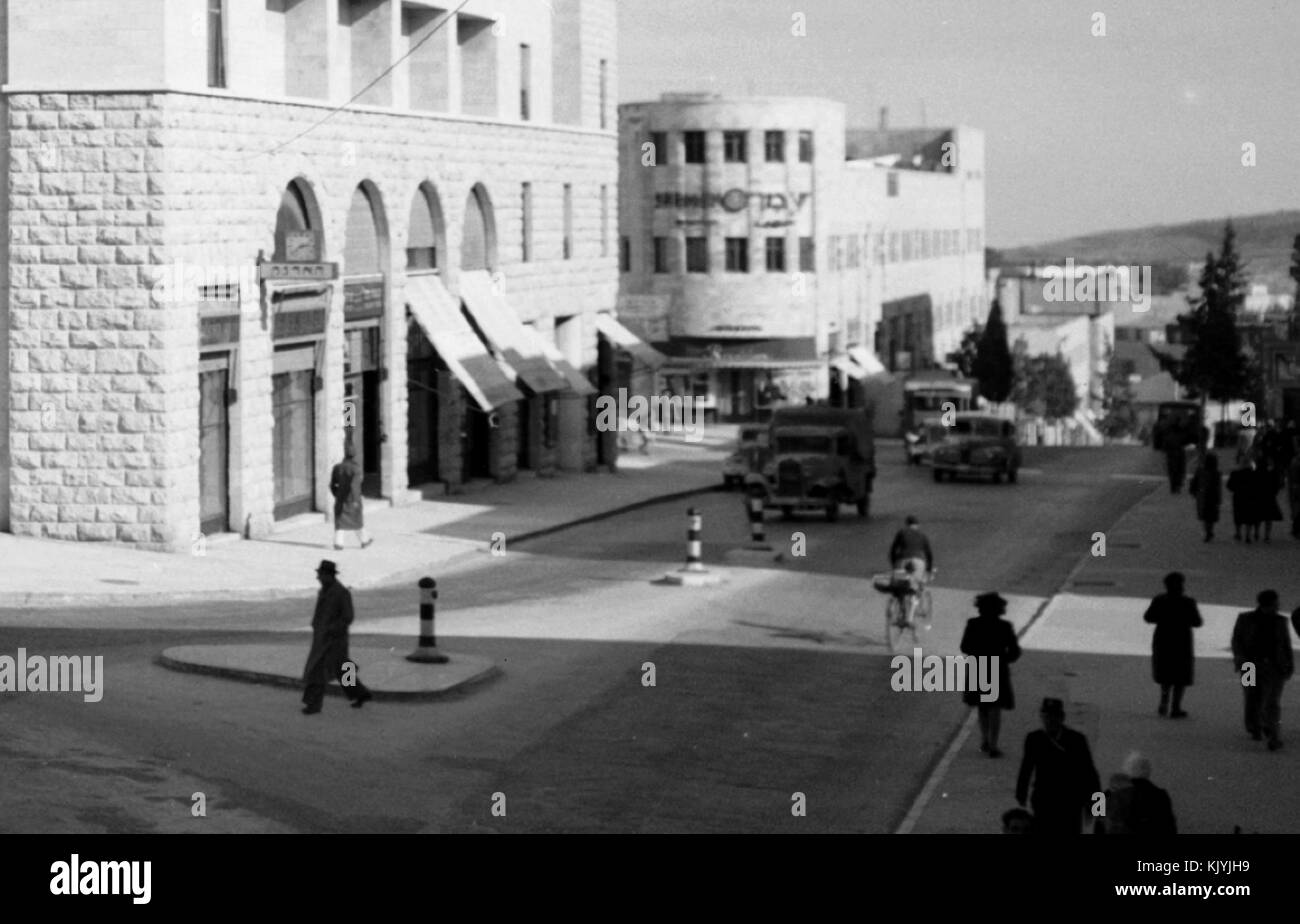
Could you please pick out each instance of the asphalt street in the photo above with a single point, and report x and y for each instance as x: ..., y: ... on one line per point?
x: 769, y: 690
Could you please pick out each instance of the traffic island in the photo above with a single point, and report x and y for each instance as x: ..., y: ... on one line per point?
x: 385, y: 671
x: 688, y: 578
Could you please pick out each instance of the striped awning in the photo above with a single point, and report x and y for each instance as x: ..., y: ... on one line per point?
x: 624, y: 339
x: 518, y: 345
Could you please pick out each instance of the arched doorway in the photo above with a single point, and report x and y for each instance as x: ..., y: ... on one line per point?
x: 428, y: 381
x: 298, y: 315
x: 365, y: 261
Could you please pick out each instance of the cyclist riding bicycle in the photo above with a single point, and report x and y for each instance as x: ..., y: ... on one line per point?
x: 911, y: 545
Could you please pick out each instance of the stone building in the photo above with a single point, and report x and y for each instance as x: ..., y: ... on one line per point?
x: 769, y: 251
x: 243, y: 230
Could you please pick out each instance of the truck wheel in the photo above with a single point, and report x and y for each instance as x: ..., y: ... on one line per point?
x: 787, y: 513
x: 938, y: 475
x: 1012, y: 474
x: 833, y: 510
x: 997, y: 478
x: 864, y: 505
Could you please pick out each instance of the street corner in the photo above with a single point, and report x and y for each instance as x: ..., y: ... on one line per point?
x: 387, y: 672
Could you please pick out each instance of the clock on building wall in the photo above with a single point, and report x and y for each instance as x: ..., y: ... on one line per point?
x: 302, y: 247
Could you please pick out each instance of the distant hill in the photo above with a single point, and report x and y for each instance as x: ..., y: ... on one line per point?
x: 1264, y: 241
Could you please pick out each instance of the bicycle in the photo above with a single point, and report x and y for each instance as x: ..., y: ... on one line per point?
x: 909, y: 604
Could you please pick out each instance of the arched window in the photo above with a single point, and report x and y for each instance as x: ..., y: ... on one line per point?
x: 361, y: 254
x: 478, y: 245
x: 295, y: 214
x: 425, y: 231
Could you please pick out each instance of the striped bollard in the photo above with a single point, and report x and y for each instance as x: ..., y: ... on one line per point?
x: 693, y: 562
x: 757, y: 527
x: 426, y: 651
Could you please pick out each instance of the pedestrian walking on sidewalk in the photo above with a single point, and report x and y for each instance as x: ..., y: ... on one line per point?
x: 1268, y: 482
x: 988, y: 635
x: 1207, y: 488
x: 329, y: 644
x: 1261, y: 644
x: 1135, y: 805
x: 1059, y: 763
x: 1242, y: 485
x: 345, y: 486
x: 1173, y: 656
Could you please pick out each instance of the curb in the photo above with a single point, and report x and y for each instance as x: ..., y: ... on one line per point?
x: 292, y: 683
x: 29, y: 600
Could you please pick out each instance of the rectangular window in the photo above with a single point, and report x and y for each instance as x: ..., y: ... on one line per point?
x: 661, y: 254
x: 737, y: 255
x: 693, y: 142
x: 624, y: 255
x: 805, y: 147
x: 604, y: 92
x: 659, y: 146
x: 774, y: 147
x: 733, y: 147
x: 604, y: 221
x: 217, y: 43
x: 525, y: 79
x: 526, y: 222
x: 891, y: 184
x: 807, y: 255
x: 907, y: 246
x: 568, y: 221
x: 697, y: 255
x: 775, y: 254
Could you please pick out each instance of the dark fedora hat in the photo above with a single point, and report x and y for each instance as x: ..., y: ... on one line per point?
x: 327, y: 567
x: 990, y: 601
x: 1052, y: 706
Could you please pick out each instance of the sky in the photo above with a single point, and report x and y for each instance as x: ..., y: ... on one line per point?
x: 1144, y: 125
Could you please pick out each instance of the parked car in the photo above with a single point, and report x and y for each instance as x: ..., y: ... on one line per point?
x: 821, y: 457
x: 919, y: 444
x: 749, y: 456
x: 978, y: 444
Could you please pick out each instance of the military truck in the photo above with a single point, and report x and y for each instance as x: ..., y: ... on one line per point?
x: 820, y: 458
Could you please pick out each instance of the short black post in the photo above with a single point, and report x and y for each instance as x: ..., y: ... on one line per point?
x: 426, y: 651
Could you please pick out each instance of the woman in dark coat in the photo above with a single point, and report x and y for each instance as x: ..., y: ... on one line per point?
x: 989, y: 635
x: 1207, y: 487
x: 345, y: 485
x: 1242, y: 485
x: 1175, y: 615
x: 1268, y: 482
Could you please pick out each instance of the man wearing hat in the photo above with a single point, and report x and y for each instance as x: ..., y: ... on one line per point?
x: 1260, y: 638
x: 988, y: 635
x: 329, y: 644
x: 1065, y: 779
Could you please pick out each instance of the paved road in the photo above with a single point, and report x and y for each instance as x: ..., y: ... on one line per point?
x: 771, y: 686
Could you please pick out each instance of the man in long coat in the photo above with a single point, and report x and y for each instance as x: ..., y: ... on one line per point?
x: 329, y: 644
x: 988, y: 635
x: 1172, y: 655
x: 1262, y: 639
x: 1065, y: 779
x: 345, y: 486
x: 1207, y: 487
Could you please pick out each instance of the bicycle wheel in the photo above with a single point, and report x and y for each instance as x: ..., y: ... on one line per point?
x: 894, y: 621
x: 924, y: 610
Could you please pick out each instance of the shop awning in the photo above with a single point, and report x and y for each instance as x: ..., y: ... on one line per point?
x: 438, y: 314
x: 866, y: 360
x: 577, y: 381
x: 624, y: 339
x: 845, y: 364
x: 518, y: 345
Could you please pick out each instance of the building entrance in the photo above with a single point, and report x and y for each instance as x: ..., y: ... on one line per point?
x: 214, y: 443
x: 293, y: 436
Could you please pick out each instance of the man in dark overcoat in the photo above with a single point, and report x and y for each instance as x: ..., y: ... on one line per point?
x: 345, y: 486
x: 988, y: 635
x: 329, y: 644
x: 1207, y: 487
x: 1262, y: 639
x: 1173, y: 658
x: 1058, y: 761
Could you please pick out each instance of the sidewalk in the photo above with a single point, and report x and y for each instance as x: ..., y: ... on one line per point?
x: 1091, y: 647
x: 409, y: 541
